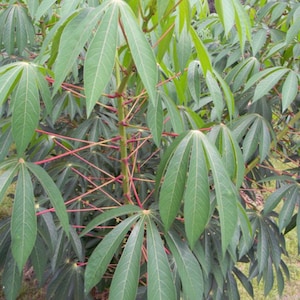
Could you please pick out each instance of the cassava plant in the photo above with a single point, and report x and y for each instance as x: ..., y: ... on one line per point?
x: 140, y: 136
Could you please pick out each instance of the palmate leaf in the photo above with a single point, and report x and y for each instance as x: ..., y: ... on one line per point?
x: 126, y: 278
x: 104, y: 252
x: 188, y: 267
x: 53, y: 192
x: 23, y: 223
x: 172, y: 189
x: 196, y: 196
x: 100, y: 57
x: 160, y: 282
x: 141, y: 51
x: 25, y: 108
x: 180, y: 166
x: 230, y: 152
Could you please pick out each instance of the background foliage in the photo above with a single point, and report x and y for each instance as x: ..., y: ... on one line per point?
x: 141, y: 138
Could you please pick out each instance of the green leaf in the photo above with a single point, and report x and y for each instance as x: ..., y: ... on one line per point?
x: 288, y: 207
x: 43, y: 8
x: 188, y: 267
x: 174, y: 114
x: 202, y: 53
x: 165, y: 161
x: 6, y: 180
x: 293, y: 31
x: 262, y: 246
x: 100, y: 57
x: 194, y: 79
x: 76, y: 244
x: 267, y: 83
x: 289, y: 90
x: 141, y: 51
x: 171, y: 193
x: 216, y: 93
x: 155, y: 119
x: 37, y: 258
x: 226, y: 13
x: 230, y: 151
x: 72, y: 41
x: 260, y: 38
x: 273, y: 200
x: 5, y: 144
x: 184, y: 49
x: 126, y: 278
x: 160, y: 282
x: 11, y: 279
x: 244, y: 281
x: 53, y: 192
x: 26, y: 109
x: 110, y: 214
x: 8, y: 80
x: 23, y: 223
x: 225, y: 193
x: 196, y: 196
x: 258, y: 76
x: 104, y: 252
x: 250, y: 141
x: 227, y: 94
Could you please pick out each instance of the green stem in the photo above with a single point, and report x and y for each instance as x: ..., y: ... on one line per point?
x: 279, y: 136
x: 122, y: 132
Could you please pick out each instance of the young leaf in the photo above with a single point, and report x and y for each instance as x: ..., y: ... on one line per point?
x: 160, y: 282
x: 25, y: 109
x: 126, y: 278
x: 23, y: 223
x: 141, y: 51
x: 196, y: 196
x: 100, y: 57
x: 172, y: 189
x: 104, y: 252
x: 188, y: 267
x: 53, y: 192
